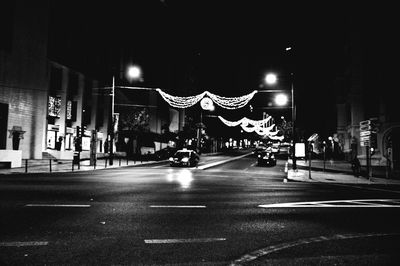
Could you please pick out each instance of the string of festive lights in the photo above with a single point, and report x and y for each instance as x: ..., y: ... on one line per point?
x: 231, y: 102
x: 258, y: 126
x: 181, y: 102
x: 225, y: 102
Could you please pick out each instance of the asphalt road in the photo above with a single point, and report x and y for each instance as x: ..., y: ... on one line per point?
x: 232, y: 214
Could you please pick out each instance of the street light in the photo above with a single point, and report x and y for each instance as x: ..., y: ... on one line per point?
x: 281, y: 99
x: 133, y: 72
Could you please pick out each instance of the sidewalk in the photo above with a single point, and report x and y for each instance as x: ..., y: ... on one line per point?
x: 335, y: 172
x: 52, y: 166
x: 63, y: 166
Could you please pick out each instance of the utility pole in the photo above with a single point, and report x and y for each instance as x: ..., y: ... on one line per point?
x: 111, y: 146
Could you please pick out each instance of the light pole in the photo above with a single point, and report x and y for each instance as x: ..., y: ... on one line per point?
x: 281, y: 99
x: 294, y: 166
x: 133, y: 73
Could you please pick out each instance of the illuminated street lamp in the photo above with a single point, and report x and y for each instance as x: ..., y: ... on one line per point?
x: 132, y: 73
x: 281, y: 99
x: 271, y: 79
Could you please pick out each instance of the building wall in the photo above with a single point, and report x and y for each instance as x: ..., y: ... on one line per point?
x: 84, y: 94
x: 23, y: 76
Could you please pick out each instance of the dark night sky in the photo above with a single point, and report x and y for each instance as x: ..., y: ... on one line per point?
x: 225, y: 47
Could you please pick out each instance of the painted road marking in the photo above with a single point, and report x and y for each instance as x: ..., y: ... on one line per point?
x: 58, y: 205
x: 24, y: 244
x: 178, y: 206
x: 271, y: 249
x: 185, y: 240
x: 361, y: 203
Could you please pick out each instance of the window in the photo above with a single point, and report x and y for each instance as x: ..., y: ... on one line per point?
x: 69, y: 110
x: 54, y: 106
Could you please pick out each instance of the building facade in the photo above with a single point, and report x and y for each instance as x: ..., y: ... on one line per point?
x: 50, y: 110
x: 366, y: 91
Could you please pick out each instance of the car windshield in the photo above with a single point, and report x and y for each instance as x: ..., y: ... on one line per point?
x: 181, y: 154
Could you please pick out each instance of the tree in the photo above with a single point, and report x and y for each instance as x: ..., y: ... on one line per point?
x: 137, y: 119
x: 286, y: 130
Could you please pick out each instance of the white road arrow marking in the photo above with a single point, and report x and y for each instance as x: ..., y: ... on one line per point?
x: 361, y: 203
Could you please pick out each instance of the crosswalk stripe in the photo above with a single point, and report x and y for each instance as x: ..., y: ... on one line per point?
x: 187, y: 240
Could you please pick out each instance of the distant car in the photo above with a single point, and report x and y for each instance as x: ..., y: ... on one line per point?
x: 275, y: 147
x: 266, y: 158
x: 184, y: 157
x: 258, y: 150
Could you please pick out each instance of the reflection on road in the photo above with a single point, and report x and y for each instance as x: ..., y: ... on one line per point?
x: 183, y: 177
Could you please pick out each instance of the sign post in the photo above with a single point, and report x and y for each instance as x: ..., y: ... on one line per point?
x: 368, y: 131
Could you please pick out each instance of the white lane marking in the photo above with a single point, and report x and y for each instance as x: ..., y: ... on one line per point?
x: 271, y: 249
x: 59, y: 205
x: 24, y: 244
x: 184, y: 240
x: 366, y: 188
x: 362, y: 203
x: 178, y: 206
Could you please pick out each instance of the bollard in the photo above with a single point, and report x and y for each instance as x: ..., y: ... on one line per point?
x: 26, y: 166
x: 105, y: 161
x: 72, y: 165
x: 120, y: 161
x: 50, y: 165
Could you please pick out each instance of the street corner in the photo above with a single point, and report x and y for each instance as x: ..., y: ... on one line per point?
x: 298, y: 175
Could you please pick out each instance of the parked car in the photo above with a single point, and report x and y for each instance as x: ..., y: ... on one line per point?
x: 184, y: 157
x: 266, y: 158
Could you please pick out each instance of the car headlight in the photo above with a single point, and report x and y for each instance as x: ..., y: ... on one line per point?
x: 171, y: 159
x: 185, y: 160
x: 272, y: 156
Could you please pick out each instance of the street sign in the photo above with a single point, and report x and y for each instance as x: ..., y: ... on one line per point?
x: 365, y: 143
x: 365, y: 125
x: 365, y: 138
x: 365, y: 133
x: 365, y: 122
x: 313, y: 137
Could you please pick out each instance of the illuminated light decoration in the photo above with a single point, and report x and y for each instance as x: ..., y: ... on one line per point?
x: 231, y: 102
x: 207, y: 104
x: 258, y: 126
x: 181, y: 102
x: 225, y: 102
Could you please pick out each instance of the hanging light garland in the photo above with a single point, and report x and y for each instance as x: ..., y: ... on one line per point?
x: 225, y: 102
x: 258, y: 126
x: 181, y: 102
x: 231, y: 102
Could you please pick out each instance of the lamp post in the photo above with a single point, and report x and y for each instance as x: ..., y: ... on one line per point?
x: 281, y: 99
x: 133, y: 73
x: 294, y: 166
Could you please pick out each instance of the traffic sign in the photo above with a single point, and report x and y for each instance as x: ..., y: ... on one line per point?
x: 365, y: 122
x: 364, y: 143
x: 365, y: 138
x: 365, y: 133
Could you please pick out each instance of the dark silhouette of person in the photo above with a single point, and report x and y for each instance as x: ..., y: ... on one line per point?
x: 15, y: 140
x: 356, y: 166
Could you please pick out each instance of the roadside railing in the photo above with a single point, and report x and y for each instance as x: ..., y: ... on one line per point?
x: 71, y: 165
